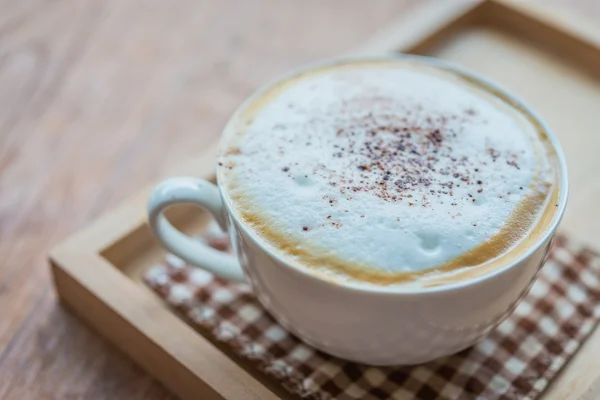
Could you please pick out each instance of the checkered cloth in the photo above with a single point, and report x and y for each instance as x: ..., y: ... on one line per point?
x: 516, y: 361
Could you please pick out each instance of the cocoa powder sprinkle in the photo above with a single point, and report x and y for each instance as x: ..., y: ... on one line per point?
x: 403, y: 157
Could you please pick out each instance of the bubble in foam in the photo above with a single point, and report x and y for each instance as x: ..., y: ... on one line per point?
x: 430, y: 241
x: 392, y: 168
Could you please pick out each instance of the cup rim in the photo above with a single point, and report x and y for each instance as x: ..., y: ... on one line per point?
x: 529, y: 111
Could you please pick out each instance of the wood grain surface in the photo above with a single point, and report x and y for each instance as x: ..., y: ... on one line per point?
x: 96, y: 99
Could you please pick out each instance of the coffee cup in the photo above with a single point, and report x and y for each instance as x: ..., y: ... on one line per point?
x: 378, y: 321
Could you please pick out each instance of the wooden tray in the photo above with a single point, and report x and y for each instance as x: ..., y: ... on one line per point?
x: 548, y: 56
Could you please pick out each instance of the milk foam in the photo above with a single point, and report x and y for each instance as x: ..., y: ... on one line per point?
x: 389, y: 168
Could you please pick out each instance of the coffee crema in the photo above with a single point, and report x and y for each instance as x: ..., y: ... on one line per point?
x: 390, y: 172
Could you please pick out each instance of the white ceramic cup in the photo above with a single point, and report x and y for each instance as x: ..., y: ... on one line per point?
x: 378, y: 326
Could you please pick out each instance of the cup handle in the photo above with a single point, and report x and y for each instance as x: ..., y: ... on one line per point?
x: 206, y: 195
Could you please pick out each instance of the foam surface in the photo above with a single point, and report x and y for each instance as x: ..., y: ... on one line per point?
x: 394, y: 169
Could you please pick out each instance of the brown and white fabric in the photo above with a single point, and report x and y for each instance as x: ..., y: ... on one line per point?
x: 516, y: 361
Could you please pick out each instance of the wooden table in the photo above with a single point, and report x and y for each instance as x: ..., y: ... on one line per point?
x: 96, y: 98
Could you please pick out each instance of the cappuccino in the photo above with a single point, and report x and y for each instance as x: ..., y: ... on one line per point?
x: 389, y: 173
